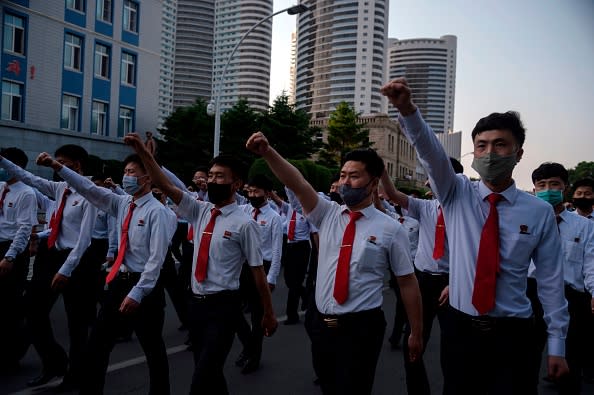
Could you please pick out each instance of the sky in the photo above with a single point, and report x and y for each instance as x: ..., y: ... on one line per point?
x: 531, y: 56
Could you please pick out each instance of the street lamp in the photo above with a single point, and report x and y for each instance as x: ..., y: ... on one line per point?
x: 294, y: 10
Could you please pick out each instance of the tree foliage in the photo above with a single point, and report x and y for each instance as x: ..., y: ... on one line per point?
x: 288, y: 130
x: 582, y: 170
x: 344, y: 134
x: 318, y: 176
x: 237, y: 125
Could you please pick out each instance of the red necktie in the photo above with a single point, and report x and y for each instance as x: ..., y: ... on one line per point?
x: 56, y: 220
x: 123, y: 245
x: 292, y: 222
x: 487, y: 263
x: 256, y: 213
x: 341, y: 283
x: 4, y: 192
x: 438, y: 248
x: 202, y: 261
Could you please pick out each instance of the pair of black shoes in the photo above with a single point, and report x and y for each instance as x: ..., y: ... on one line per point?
x: 247, y: 364
x: 68, y: 383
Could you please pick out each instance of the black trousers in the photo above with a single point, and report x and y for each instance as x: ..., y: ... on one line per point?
x: 484, y: 355
x: 295, y: 262
x: 147, y: 323
x: 251, y: 336
x: 400, y: 317
x: 347, y: 350
x: 213, y: 323
x: 576, y: 344
x: 13, y: 339
x: 431, y: 287
x: 80, y: 298
x: 174, y: 285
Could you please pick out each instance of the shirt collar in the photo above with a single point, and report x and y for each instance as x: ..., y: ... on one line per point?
x: 228, y: 209
x: 367, y: 211
x: 510, y: 194
x: 143, y: 199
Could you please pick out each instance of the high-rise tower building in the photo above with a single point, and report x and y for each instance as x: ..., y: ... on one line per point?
x: 429, y: 65
x: 293, y: 68
x: 166, y: 70
x: 248, y: 74
x: 193, y: 51
x: 340, y: 56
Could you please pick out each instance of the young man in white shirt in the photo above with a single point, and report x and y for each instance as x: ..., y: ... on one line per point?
x: 583, y: 197
x: 133, y: 296
x: 495, y: 229
x: 357, y: 243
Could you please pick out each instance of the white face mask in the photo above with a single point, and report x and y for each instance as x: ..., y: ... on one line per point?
x: 494, y: 168
x: 130, y: 184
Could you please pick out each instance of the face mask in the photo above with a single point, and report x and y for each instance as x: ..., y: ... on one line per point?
x: 4, y: 175
x: 218, y: 193
x: 335, y: 197
x: 353, y: 196
x: 494, y: 168
x: 553, y: 196
x: 130, y: 184
x: 584, y: 204
x: 257, y: 201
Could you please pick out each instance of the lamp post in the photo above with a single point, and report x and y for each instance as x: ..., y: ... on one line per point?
x: 296, y: 9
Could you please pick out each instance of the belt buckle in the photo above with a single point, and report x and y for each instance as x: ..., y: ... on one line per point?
x: 200, y: 297
x: 483, y: 325
x: 331, y: 322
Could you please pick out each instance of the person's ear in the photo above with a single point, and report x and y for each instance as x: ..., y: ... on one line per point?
x: 519, y: 154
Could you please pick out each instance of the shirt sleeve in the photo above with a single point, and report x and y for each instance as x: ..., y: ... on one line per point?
x: 250, y: 243
x: 589, y: 259
x: 317, y: 215
x: 44, y: 186
x: 173, y: 178
x: 190, y: 208
x: 277, y: 246
x: 112, y: 232
x: 25, y: 218
x: 159, y: 242
x: 399, y: 253
x: 84, y: 241
x: 548, y: 261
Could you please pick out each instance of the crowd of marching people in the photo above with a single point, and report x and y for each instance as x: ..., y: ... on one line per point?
x: 508, y: 274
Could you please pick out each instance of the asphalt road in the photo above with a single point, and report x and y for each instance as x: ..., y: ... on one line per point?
x: 285, y: 369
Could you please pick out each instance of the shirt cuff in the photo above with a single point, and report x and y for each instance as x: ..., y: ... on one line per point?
x: 556, y: 347
x: 136, y: 294
x: 66, y: 270
x: 413, y: 121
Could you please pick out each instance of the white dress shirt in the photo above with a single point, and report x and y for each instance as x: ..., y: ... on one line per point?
x: 271, y: 233
x: 149, y: 231
x: 426, y: 212
x: 17, y: 217
x: 527, y: 229
x: 235, y: 239
x: 380, y: 243
x: 78, y: 217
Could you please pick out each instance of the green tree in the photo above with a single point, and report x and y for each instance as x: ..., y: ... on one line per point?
x: 344, y: 134
x: 318, y: 176
x: 188, y: 140
x: 582, y: 170
x: 288, y: 130
x: 237, y: 125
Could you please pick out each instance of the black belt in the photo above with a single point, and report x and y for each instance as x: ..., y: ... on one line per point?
x: 485, y: 323
x: 292, y: 243
x: 216, y: 296
x: 128, y: 276
x: 336, y: 320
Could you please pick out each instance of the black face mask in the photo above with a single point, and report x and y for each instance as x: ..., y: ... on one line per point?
x: 335, y: 197
x: 218, y: 193
x: 257, y: 201
x: 584, y: 204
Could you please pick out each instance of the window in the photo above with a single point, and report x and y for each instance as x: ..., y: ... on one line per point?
x: 99, y: 118
x: 130, y: 16
x: 128, y: 69
x: 102, y: 54
x: 70, y: 106
x: 12, y: 101
x: 103, y: 12
x: 72, y: 52
x: 76, y: 5
x: 14, y: 34
x: 126, y: 121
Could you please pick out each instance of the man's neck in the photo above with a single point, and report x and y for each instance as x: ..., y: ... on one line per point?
x: 500, y: 186
x: 559, y: 208
x: 11, y: 181
x: 584, y: 213
x: 226, y: 202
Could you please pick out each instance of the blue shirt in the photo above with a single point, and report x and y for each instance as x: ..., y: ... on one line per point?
x: 527, y: 230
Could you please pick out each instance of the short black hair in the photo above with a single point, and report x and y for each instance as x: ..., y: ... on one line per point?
x: 261, y: 181
x: 335, y: 178
x: 584, y: 182
x: 202, y: 169
x: 134, y: 158
x: 549, y: 170
x: 74, y: 152
x: 16, y: 156
x: 374, y: 165
x: 502, y: 121
x: 236, y: 166
x: 458, y: 168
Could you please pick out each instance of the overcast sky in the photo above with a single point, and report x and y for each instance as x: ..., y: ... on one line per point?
x: 532, y: 56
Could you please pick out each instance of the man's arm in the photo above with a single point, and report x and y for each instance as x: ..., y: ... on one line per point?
x: 589, y: 262
x: 269, y: 322
x: 284, y: 171
x: 157, y: 175
x: 394, y: 194
x: 26, y: 217
x: 276, y: 228
x: 411, y: 298
x: 48, y: 188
